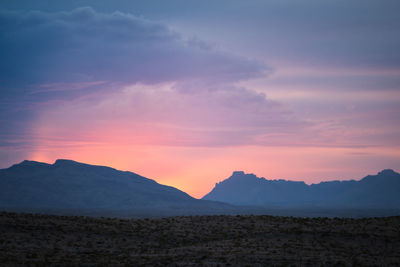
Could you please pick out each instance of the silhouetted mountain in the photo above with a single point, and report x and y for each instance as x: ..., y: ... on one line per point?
x: 379, y: 191
x: 71, y: 186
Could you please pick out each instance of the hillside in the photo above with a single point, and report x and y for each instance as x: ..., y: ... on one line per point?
x: 69, y: 187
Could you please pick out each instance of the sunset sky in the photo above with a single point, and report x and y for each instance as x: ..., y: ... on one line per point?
x: 186, y: 92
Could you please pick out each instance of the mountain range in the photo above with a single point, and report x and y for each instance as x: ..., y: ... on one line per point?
x: 379, y: 191
x: 72, y: 187
x: 69, y: 187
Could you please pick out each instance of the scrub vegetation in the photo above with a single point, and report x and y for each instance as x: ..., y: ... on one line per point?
x: 33, y: 239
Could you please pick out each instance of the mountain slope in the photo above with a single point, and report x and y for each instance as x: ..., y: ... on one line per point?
x: 70, y: 185
x: 374, y: 191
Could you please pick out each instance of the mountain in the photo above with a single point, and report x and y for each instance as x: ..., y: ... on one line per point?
x: 72, y: 188
x: 379, y: 191
x: 80, y: 188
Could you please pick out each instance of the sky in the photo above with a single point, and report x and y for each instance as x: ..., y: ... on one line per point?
x: 186, y: 92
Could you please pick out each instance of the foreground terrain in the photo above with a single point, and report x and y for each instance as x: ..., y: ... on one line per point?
x: 198, y: 240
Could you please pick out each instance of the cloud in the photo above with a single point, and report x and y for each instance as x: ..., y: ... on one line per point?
x: 52, y: 60
x: 84, y: 76
x: 86, y: 46
x: 162, y: 115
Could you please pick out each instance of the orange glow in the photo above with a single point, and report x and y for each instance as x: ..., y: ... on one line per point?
x: 166, y: 144
x: 195, y: 170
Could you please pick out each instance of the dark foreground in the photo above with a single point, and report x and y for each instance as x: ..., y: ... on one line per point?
x: 198, y: 240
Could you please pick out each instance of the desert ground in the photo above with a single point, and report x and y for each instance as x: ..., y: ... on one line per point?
x: 38, y: 240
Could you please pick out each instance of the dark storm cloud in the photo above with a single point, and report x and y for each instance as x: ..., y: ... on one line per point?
x: 360, y: 33
x: 86, y: 46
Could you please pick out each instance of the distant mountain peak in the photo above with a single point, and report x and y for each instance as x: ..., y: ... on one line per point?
x: 386, y: 172
x: 28, y: 162
x: 68, y: 163
x: 242, y: 174
x: 238, y: 173
x: 373, y: 191
x: 64, y: 162
x: 68, y: 184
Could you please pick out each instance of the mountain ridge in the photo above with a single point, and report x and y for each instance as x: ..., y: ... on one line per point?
x: 74, y: 188
x: 248, y: 189
x: 71, y: 185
